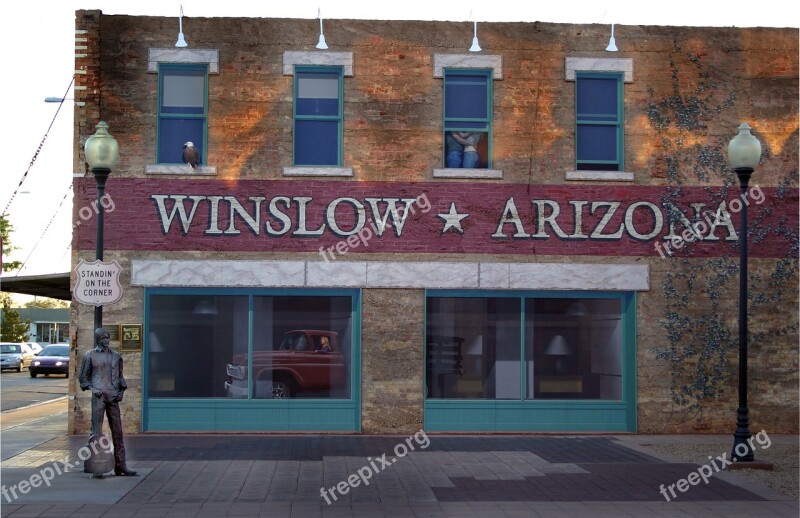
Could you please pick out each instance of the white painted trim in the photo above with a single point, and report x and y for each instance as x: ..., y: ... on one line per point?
x: 493, y: 61
x: 343, y: 274
x: 580, y: 277
x: 473, y: 174
x: 410, y: 274
x: 193, y: 273
x: 390, y: 274
x: 575, y: 64
x: 182, y: 169
x: 317, y: 58
x: 317, y: 171
x: 599, y: 176
x: 156, y: 56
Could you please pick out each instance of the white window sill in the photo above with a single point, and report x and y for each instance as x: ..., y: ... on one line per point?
x: 318, y: 171
x: 599, y: 176
x: 488, y: 174
x: 182, y: 169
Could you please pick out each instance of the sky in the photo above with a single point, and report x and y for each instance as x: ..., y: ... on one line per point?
x: 37, y: 38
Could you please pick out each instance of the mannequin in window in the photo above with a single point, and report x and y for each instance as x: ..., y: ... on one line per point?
x: 454, y: 151
x: 469, y: 141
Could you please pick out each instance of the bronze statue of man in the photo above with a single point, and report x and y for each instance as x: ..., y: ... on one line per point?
x: 101, y: 372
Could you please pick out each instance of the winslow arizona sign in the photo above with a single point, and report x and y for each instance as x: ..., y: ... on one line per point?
x: 438, y: 217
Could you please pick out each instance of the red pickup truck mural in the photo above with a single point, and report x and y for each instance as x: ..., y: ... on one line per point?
x: 307, y: 362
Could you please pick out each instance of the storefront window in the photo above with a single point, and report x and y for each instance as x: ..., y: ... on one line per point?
x: 200, y: 347
x: 301, y: 347
x: 192, y: 338
x: 473, y: 348
x: 52, y: 333
x: 573, y: 348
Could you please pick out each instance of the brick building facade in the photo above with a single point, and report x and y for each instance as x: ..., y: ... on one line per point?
x: 582, y: 277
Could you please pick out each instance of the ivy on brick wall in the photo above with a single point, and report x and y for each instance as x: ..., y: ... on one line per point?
x: 700, y: 320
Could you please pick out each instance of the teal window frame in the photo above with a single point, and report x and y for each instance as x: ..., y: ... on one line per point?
x: 462, y: 123
x: 525, y: 414
x: 587, y: 120
x: 339, y: 118
x: 253, y: 414
x: 163, y: 70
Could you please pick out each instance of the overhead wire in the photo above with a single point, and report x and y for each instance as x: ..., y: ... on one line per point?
x: 41, y: 144
x: 69, y: 188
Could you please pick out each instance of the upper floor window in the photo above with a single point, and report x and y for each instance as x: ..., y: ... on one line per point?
x: 182, y: 111
x: 318, y: 103
x: 599, y: 121
x: 467, y: 118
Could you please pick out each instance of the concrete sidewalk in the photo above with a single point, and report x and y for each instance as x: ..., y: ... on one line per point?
x: 444, y: 475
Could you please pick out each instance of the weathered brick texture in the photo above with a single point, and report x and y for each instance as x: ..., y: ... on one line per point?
x: 691, y: 88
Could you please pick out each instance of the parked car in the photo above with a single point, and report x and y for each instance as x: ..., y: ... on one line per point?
x: 54, y: 359
x: 15, y: 356
x: 305, y: 361
x: 36, y: 348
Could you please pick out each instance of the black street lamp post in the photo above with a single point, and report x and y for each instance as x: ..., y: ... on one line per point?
x: 102, y: 152
x: 744, y: 152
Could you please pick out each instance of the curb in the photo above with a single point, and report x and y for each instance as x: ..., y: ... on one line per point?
x: 32, y: 405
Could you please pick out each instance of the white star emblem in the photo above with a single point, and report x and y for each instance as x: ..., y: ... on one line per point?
x: 452, y: 219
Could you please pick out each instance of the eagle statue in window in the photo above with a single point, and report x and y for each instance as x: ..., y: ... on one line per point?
x: 190, y: 155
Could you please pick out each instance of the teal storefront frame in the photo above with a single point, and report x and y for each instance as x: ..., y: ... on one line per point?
x: 540, y: 415
x: 221, y: 414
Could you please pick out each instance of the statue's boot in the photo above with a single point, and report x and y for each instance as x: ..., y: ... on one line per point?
x: 125, y: 472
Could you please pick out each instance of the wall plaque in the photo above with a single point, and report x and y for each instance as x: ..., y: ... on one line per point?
x: 130, y: 337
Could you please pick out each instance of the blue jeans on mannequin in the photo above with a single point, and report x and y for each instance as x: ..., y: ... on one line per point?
x: 455, y: 159
x: 470, y: 159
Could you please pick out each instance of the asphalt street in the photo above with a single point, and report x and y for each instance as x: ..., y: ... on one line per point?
x: 18, y: 389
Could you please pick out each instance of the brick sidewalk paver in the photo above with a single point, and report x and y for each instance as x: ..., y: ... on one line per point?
x: 273, y: 475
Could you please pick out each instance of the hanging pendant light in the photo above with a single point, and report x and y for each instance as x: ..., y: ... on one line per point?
x: 181, y: 42
x: 321, y: 45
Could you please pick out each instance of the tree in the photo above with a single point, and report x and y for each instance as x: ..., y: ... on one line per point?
x: 13, y: 328
x: 5, y: 231
x: 47, y: 303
